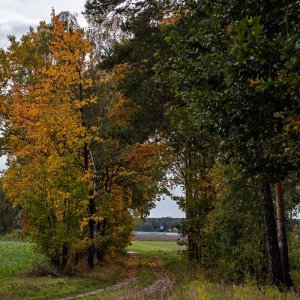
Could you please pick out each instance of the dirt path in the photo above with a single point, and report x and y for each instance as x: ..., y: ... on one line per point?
x: 163, y: 283
x: 129, y: 277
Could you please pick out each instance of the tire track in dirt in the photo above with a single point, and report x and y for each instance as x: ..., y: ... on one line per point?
x: 130, y: 274
x: 163, y: 283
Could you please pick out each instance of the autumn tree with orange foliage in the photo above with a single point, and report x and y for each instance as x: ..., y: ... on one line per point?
x: 45, y: 136
x: 78, y: 182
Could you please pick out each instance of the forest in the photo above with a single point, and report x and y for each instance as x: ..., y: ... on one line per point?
x: 97, y: 123
x: 163, y: 224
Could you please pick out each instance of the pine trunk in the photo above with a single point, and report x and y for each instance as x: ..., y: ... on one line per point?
x: 271, y: 234
x: 282, y: 234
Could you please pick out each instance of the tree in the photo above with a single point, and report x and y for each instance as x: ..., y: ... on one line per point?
x: 45, y: 136
x: 229, y: 85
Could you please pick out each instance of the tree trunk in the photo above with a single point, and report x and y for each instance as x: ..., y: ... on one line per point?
x: 193, y: 249
x: 271, y: 234
x: 100, y: 252
x: 91, y: 248
x: 92, y: 208
x: 64, y: 260
x: 282, y: 235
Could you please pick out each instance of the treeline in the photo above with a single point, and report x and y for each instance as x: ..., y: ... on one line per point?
x: 217, y: 85
x: 206, y: 92
x: 163, y: 224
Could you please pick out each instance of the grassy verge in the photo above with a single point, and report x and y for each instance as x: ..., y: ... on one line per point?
x: 192, y: 284
x: 47, y: 287
x: 16, y: 257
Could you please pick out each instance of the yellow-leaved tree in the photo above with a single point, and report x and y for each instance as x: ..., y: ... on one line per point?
x: 42, y: 105
x: 74, y: 170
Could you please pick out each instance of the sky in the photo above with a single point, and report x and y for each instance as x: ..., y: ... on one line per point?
x: 16, y: 16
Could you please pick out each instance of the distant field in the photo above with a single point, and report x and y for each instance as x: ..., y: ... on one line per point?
x: 154, y: 246
x: 155, y: 236
x: 16, y: 257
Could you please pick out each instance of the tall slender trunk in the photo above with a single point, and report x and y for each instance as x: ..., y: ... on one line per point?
x: 271, y: 234
x: 101, y: 251
x: 92, y: 210
x: 65, y: 252
x: 282, y: 235
x: 193, y: 248
x: 191, y: 243
x: 91, y: 207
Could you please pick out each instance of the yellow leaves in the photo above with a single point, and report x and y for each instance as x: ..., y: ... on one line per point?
x: 46, y: 134
x: 143, y: 155
x: 117, y: 109
x: 119, y: 71
x: 255, y: 82
x: 69, y: 46
x: 85, y: 221
x: 49, y: 110
x: 94, y: 129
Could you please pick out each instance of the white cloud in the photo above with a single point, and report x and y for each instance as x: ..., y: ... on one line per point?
x: 16, y: 16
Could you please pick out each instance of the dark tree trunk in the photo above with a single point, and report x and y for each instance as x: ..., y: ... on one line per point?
x: 91, y: 225
x: 282, y: 235
x: 91, y: 249
x: 55, y: 260
x: 64, y: 260
x: 271, y: 234
x: 101, y: 251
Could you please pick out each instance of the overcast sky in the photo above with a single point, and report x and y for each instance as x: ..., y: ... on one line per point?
x: 16, y: 16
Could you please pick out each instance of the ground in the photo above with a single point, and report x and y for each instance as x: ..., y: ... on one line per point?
x: 152, y: 270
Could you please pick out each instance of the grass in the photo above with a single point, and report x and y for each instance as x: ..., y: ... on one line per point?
x: 154, y: 247
x: 47, y: 287
x: 145, y: 277
x: 16, y: 257
x: 192, y: 284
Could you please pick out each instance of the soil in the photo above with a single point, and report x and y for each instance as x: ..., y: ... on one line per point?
x: 128, y: 277
x: 162, y: 285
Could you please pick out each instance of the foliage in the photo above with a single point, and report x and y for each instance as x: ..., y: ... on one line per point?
x: 44, y: 134
x: 75, y: 177
x: 235, y: 247
x: 198, y: 94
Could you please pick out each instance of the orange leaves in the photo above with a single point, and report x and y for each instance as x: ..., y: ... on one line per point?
x: 45, y: 92
x: 143, y: 156
x: 44, y: 107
